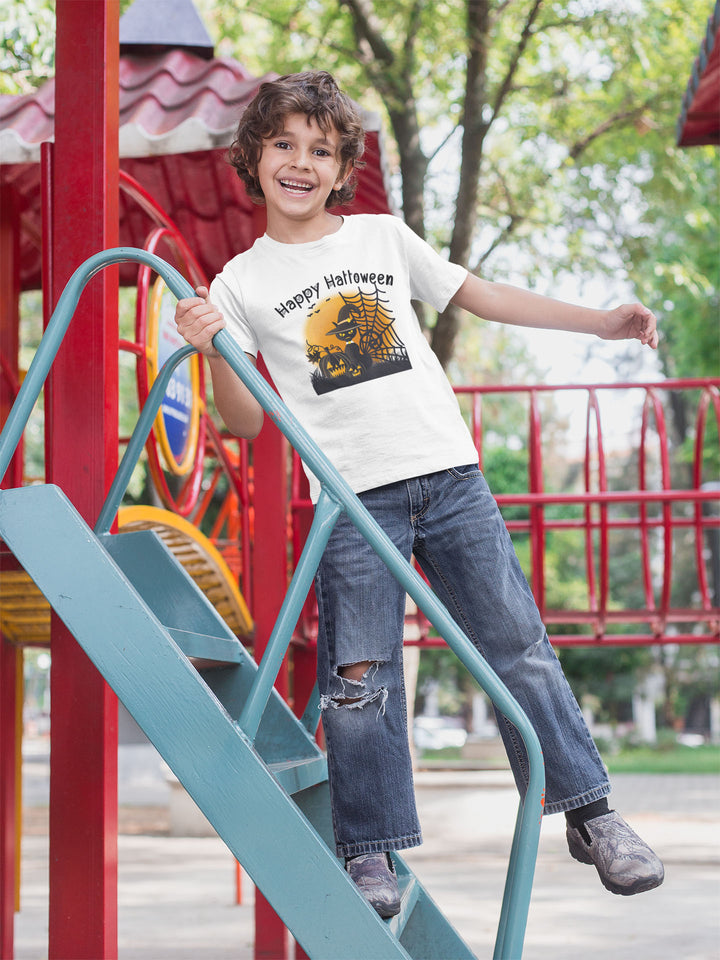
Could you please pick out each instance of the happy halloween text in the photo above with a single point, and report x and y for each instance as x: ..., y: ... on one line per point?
x: 311, y: 294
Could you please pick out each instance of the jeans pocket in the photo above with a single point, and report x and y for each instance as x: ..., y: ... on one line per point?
x: 466, y: 472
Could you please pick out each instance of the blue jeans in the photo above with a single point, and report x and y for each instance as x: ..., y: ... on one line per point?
x: 450, y: 522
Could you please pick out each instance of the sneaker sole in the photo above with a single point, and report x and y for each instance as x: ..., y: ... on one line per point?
x: 580, y: 854
x: 386, y: 913
x: 640, y: 886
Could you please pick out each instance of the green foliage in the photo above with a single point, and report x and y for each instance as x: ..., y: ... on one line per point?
x: 676, y: 266
x: 678, y: 759
x: 591, y: 121
x: 27, y: 44
x: 607, y: 674
x: 441, y: 669
x: 579, y: 171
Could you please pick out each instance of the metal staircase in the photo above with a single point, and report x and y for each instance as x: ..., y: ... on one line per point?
x: 251, y: 766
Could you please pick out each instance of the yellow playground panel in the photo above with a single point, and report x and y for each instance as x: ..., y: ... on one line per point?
x: 25, y: 613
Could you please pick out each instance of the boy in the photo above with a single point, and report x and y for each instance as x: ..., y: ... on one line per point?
x: 327, y: 300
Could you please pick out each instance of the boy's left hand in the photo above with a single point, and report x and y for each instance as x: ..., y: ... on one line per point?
x: 631, y: 321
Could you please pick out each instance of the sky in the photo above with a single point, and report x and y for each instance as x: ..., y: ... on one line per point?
x: 575, y: 358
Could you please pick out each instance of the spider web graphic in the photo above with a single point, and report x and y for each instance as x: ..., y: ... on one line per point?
x: 376, y: 327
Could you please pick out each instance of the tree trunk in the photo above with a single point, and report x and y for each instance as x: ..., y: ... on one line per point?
x: 475, y: 127
x: 413, y: 165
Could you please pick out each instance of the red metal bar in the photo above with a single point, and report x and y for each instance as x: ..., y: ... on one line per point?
x: 537, y: 514
x: 130, y: 186
x: 710, y: 395
x: 666, y: 507
x: 238, y: 884
x: 631, y: 639
x: 82, y: 445
x: 604, y: 546
x: 304, y: 653
x: 593, y: 415
x: 597, y: 522
x: 185, y: 502
x: 237, y: 505
x: 9, y: 319
x: 639, y: 615
x: 603, y: 640
x: 9, y: 664
x: 477, y: 426
x: 248, y: 517
x: 609, y: 496
x: 218, y: 446
x: 674, y: 383
x: 301, y: 519
x: 270, y: 579
x: 300, y: 953
x: 129, y: 347
x: 652, y: 404
x: 272, y: 941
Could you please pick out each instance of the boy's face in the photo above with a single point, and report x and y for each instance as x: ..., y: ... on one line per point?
x: 298, y: 168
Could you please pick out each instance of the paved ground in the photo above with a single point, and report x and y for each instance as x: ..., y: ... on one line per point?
x: 176, y: 894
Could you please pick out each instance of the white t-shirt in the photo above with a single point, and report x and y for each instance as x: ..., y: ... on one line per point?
x: 334, y: 323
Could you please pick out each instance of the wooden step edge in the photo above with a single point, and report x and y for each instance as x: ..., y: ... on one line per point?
x: 205, y: 648
x: 409, y: 894
x: 299, y: 774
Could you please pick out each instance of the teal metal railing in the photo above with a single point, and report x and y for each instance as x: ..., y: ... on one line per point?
x: 336, y: 496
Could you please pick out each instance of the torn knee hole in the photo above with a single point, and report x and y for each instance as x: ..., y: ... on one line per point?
x: 354, y: 689
x: 343, y: 701
x: 353, y: 674
x: 356, y: 671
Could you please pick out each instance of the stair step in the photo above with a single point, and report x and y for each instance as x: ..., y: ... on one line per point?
x: 296, y: 775
x: 124, y: 598
x: 206, y: 650
x: 409, y: 894
x: 420, y: 927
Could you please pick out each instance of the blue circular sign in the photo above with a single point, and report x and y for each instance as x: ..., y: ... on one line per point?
x: 178, y: 418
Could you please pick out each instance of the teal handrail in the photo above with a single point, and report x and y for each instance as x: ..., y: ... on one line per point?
x: 336, y: 496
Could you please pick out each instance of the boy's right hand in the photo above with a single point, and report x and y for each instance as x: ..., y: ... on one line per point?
x: 198, y: 320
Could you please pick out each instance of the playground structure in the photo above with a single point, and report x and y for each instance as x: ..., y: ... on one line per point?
x: 81, y: 459
x: 153, y: 624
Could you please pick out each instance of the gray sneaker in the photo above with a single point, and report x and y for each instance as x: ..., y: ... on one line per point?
x: 374, y: 876
x: 625, y: 863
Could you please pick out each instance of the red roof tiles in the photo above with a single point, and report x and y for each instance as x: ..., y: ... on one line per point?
x: 699, y: 121
x: 178, y: 113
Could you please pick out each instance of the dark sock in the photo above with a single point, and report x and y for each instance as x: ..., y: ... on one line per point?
x: 580, y: 815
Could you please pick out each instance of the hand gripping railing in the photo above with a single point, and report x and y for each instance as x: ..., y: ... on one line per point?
x: 335, y: 497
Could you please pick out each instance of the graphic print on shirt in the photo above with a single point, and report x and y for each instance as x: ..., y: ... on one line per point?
x: 351, y: 338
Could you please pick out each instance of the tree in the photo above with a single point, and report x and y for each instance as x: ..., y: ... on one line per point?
x: 533, y: 140
x: 27, y: 45
x: 676, y: 268
x: 534, y: 116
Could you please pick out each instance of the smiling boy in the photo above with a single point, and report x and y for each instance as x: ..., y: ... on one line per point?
x: 327, y: 300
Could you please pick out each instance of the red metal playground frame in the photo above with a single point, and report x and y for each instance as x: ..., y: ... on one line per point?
x: 651, y: 515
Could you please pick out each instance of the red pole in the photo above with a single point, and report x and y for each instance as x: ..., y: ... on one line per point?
x: 269, y: 572
x: 9, y: 664
x: 9, y: 318
x: 82, y: 448
x: 537, y: 513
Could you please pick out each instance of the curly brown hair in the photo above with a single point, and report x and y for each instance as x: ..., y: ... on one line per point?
x: 315, y: 94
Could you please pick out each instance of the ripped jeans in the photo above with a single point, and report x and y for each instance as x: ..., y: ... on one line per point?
x: 450, y: 522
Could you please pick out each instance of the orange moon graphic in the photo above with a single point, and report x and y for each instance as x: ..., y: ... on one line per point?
x: 322, y: 319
